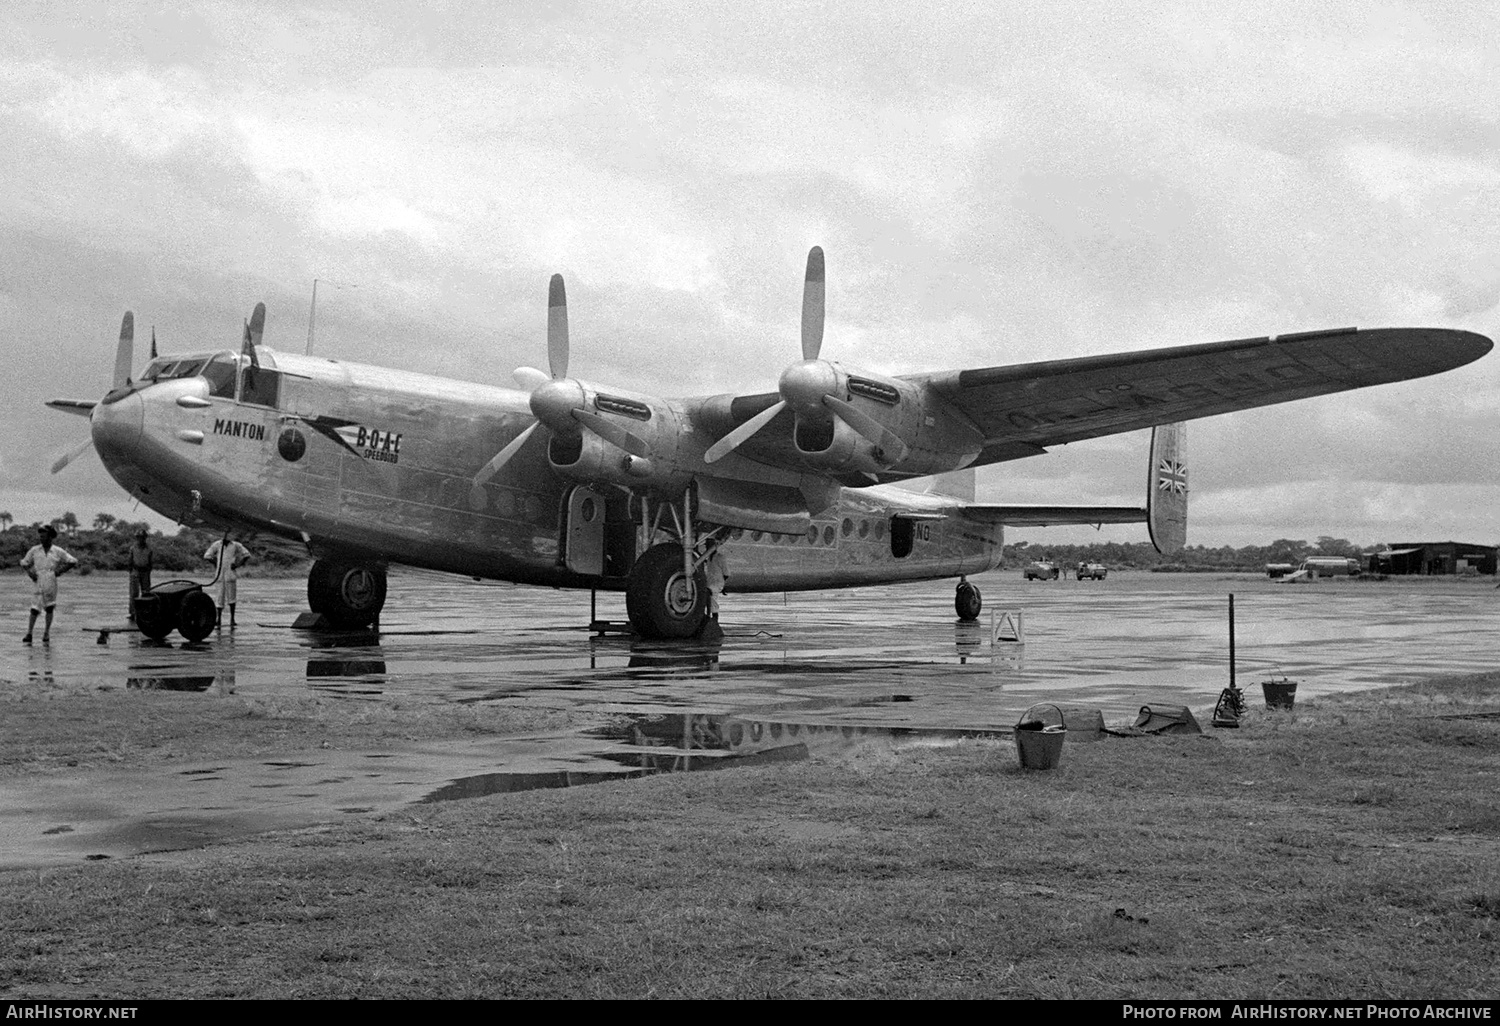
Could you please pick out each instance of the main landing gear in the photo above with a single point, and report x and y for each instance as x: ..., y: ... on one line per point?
x: 966, y: 601
x: 663, y: 601
x: 667, y: 595
x: 348, y: 595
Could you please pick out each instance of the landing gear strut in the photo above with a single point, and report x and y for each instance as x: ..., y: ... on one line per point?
x: 966, y: 601
x: 348, y: 595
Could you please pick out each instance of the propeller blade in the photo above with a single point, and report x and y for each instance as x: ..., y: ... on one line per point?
x: 812, y: 305
x: 613, y: 433
x: 125, y: 352
x: 153, y: 341
x: 81, y: 407
x: 529, y: 377
x: 878, y: 435
x: 257, y: 324
x: 732, y: 441
x: 502, y: 457
x: 557, y: 328
x: 70, y: 457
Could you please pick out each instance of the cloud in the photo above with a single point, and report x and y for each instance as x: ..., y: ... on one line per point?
x: 992, y: 185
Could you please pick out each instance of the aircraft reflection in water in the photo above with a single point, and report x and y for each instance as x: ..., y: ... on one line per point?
x: 674, y: 743
x: 571, y: 485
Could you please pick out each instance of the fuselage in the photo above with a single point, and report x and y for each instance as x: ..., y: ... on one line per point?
x: 367, y: 461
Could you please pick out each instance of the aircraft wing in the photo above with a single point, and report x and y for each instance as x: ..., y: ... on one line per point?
x: 1023, y: 408
x: 1050, y: 516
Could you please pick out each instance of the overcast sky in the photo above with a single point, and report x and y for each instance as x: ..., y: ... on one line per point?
x: 992, y: 184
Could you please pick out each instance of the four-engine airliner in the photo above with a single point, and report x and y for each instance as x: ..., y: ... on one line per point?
x: 571, y: 484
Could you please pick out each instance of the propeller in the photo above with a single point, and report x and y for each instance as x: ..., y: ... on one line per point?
x: 558, y: 401
x: 88, y: 443
x: 125, y: 352
x: 809, y: 387
x: 124, y: 356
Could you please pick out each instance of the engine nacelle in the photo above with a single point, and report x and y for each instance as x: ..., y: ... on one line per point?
x: 584, y: 456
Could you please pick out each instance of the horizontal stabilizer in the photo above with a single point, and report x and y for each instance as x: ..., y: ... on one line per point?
x: 1051, y: 516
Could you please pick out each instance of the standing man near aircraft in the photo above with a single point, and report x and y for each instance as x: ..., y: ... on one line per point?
x: 44, y: 564
x: 228, y: 555
x: 141, y: 559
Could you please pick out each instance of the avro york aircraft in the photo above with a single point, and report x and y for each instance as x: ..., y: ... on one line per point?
x: 573, y: 485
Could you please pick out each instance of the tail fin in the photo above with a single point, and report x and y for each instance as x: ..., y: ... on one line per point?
x: 1167, y: 488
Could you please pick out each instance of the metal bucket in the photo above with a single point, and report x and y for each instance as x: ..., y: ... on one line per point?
x: 1280, y: 694
x: 1039, y: 744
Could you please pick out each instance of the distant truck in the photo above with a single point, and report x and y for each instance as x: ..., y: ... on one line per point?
x: 1092, y: 571
x: 1041, y: 570
x: 1314, y: 567
x: 1331, y: 566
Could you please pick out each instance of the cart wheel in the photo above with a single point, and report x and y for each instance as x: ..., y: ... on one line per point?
x: 197, y: 617
x: 150, y: 618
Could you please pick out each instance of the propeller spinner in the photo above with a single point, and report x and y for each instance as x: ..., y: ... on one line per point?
x: 810, y: 387
x: 558, y: 402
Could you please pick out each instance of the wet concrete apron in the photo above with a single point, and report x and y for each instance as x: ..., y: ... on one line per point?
x: 793, y: 671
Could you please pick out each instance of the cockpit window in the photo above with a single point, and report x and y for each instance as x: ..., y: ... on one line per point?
x: 170, y: 369
x: 220, y: 375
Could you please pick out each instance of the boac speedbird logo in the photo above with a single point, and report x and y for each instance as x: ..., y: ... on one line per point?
x: 1171, y: 476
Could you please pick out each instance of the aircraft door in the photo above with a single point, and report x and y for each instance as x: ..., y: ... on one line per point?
x: 583, y: 534
x: 903, y: 534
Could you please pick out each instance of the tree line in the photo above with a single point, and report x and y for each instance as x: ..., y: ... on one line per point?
x: 1192, y: 558
x: 107, y: 545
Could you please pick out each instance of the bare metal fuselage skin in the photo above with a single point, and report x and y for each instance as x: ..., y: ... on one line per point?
x: 379, y: 465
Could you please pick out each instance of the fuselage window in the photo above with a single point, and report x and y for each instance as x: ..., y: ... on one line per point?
x: 828, y: 535
x: 812, y: 535
x: 848, y: 527
x: 864, y: 528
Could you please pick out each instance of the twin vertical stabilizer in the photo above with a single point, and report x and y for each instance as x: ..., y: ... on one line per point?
x: 1167, y: 488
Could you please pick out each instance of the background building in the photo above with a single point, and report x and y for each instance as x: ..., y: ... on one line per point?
x: 1433, y: 558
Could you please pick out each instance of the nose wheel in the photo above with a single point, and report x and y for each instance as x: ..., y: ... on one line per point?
x: 348, y: 595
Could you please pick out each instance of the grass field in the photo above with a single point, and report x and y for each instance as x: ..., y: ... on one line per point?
x: 1349, y: 849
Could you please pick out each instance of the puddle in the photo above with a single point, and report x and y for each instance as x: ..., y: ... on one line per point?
x: 793, y: 673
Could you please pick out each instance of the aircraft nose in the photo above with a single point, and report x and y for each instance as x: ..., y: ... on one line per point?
x: 116, y: 426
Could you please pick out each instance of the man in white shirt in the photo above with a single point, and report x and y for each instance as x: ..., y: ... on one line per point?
x: 44, y: 564
x: 228, y: 556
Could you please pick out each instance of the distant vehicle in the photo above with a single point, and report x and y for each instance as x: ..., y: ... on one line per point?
x: 1092, y: 571
x: 1331, y: 566
x: 1274, y: 570
x: 1041, y: 570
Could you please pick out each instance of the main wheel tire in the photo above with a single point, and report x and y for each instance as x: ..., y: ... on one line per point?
x: 151, y: 619
x: 661, y: 600
x: 196, y: 616
x: 967, y: 602
x: 348, y: 595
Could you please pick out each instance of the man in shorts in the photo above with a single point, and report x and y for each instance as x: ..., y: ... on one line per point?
x: 228, y: 555
x: 44, y: 564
